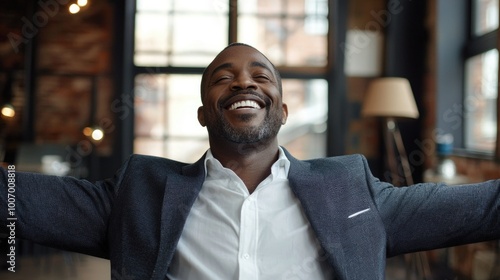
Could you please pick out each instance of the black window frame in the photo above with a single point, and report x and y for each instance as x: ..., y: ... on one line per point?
x: 456, y: 43
x: 337, y: 124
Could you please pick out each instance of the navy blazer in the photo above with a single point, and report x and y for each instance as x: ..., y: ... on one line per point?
x: 136, y: 218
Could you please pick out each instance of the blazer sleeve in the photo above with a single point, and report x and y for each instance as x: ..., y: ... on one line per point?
x: 429, y: 215
x: 60, y: 212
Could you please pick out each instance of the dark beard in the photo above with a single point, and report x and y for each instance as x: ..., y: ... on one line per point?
x: 268, y: 130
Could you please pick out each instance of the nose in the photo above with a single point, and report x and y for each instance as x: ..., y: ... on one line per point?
x: 243, y: 81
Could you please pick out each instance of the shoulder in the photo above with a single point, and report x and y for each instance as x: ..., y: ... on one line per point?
x: 350, y: 161
x: 348, y: 164
x: 147, y: 163
x: 354, y: 159
x: 151, y: 170
x: 147, y: 159
x: 345, y: 164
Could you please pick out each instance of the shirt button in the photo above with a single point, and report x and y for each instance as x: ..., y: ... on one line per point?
x: 246, y: 256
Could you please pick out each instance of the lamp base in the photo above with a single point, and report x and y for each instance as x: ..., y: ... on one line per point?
x: 399, y: 166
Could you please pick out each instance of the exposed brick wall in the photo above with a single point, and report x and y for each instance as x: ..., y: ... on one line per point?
x: 74, y: 51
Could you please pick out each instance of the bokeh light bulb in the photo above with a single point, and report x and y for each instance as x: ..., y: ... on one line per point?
x: 74, y: 8
x: 87, y: 131
x: 8, y: 111
x: 97, y: 134
x: 82, y: 3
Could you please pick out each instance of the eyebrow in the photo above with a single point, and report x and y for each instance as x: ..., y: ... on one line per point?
x: 261, y: 65
x: 229, y: 65
x: 221, y: 67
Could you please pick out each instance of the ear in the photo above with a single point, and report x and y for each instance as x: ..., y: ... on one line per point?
x: 285, y: 113
x: 201, y: 116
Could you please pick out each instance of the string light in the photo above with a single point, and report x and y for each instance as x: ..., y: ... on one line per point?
x: 8, y: 111
x: 87, y: 131
x: 74, y: 8
x: 82, y: 3
x: 97, y: 134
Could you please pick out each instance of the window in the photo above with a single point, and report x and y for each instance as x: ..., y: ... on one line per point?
x: 179, y: 33
x: 176, y: 39
x: 283, y: 30
x: 165, y: 116
x: 485, y: 16
x: 481, y: 78
x: 316, y: 21
x: 481, y: 93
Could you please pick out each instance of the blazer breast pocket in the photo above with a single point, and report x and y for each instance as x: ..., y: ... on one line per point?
x: 362, y: 233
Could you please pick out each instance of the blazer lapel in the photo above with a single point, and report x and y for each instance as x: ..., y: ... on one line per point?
x: 317, y: 206
x: 181, y: 191
x: 339, y: 213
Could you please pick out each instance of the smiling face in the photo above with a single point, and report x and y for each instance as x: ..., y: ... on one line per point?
x: 241, y: 96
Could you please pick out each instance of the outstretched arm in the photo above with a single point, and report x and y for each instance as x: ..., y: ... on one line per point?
x: 61, y: 212
x: 429, y: 216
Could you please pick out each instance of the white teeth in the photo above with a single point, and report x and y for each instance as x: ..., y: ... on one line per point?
x: 244, y: 103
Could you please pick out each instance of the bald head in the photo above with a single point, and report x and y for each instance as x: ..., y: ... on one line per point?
x: 210, y: 68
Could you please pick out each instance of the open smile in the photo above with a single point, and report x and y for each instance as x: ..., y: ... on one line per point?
x: 244, y: 101
x: 244, y: 104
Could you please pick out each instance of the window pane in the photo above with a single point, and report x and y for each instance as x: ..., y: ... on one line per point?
x: 220, y: 7
x: 480, y: 102
x: 148, y: 26
x: 166, y: 121
x: 304, y: 133
x: 153, y: 5
x: 288, y: 39
x: 259, y: 6
x: 148, y: 146
x: 485, y: 16
x: 179, y: 33
x: 150, y: 97
x: 197, y: 39
x: 182, y: 106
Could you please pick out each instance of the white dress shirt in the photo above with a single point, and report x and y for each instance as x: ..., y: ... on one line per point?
x: 232, y: 234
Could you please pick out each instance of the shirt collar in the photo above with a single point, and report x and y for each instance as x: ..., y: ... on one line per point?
x: 279, y: 169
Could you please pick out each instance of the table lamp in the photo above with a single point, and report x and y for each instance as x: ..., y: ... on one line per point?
x: 392, y: 98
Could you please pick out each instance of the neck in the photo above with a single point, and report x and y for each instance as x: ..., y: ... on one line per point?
x: 251, y: 162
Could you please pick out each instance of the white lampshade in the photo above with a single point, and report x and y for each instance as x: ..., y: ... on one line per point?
x: 390, y: 97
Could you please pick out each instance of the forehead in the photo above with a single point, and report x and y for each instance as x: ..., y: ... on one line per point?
x: 239, y: 56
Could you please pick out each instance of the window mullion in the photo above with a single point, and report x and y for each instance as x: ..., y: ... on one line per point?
x: 481, y: 44
x: 233, y: 21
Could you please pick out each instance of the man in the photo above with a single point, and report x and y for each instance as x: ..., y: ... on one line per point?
x: 248, y: 209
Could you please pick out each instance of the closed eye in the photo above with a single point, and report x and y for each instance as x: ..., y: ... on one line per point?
x: 221, y: 79
x: 262, y: 77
